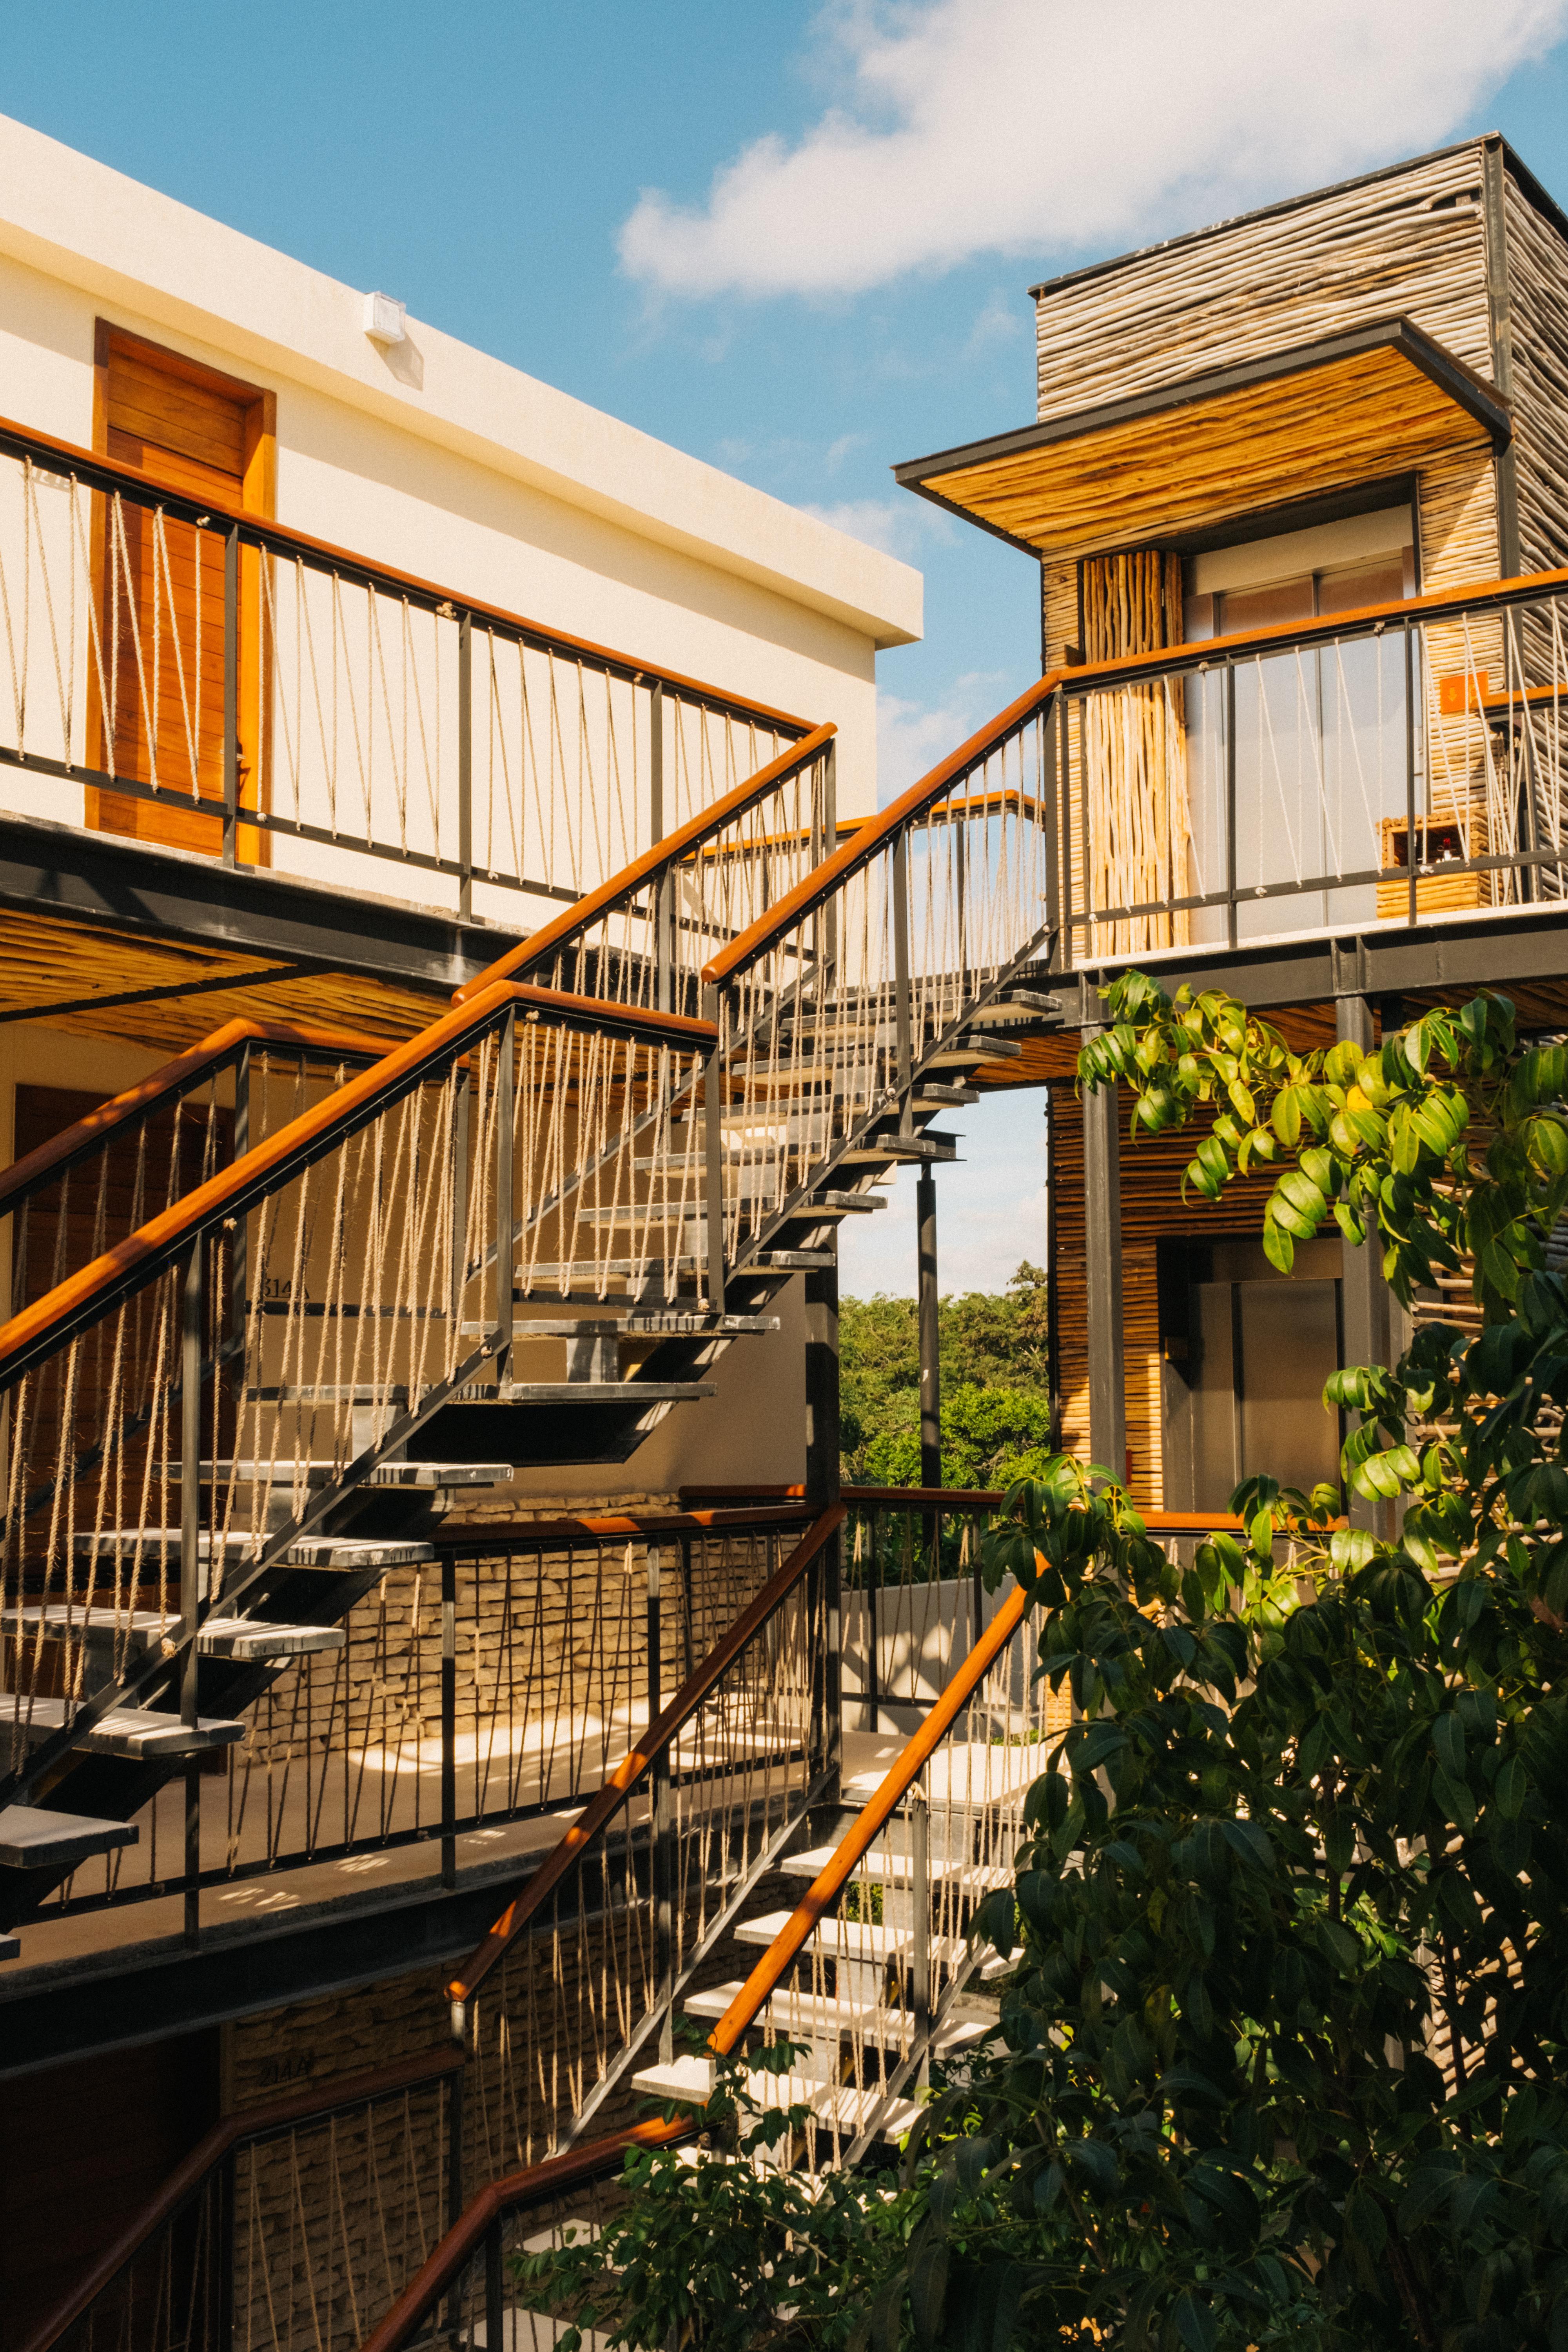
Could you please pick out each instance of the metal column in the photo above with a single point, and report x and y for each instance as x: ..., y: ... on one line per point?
x: 930, y: 1330
x: 1102, y: 1251
x: 821, y: 1489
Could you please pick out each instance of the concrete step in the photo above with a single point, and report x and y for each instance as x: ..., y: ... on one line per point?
x: 847, y: 1939
x: 34, y: 1838
x: 246, y: 1640
x: 135, y: 1732
x: 809, y: 2016
x: 977, y: 1047
x: 898, y: 1869
x: 419, y: 1477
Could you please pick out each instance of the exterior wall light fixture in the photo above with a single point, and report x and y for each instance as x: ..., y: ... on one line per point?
x: 384, y: 319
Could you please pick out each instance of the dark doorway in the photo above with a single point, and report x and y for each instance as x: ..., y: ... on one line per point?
x: 1245, y: 1353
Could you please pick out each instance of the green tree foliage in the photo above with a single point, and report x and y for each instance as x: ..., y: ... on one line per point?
x: 992, y: 1343
x: 1282, y: 2056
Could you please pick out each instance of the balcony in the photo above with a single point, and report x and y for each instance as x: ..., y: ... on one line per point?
x: 1373, y: 770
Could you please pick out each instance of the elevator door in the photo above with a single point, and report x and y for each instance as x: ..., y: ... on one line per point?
x: 1244, y: 1391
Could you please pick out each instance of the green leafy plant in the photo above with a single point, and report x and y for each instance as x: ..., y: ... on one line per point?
x: 1281, y: 2058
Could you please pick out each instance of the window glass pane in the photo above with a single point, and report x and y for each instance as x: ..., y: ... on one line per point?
x: 1262, y: 608
x: 1361, y: 583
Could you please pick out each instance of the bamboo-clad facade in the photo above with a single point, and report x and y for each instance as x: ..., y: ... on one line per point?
x: 1349, y: 399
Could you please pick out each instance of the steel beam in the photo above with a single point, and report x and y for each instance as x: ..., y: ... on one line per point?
x: 929, y: 1329
x: 1364, y: 1292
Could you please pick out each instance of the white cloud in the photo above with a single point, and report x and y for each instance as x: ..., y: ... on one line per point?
x: 1045, y: 127
x: 912, y: 737
x: 897, y: 526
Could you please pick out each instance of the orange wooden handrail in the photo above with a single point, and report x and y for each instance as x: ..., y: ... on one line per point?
x: 666, y: 852
x: 536, y: 2182
x: 139, y: 479
x: 77, y: 1294
x: 170, y: 1078
x: 839, y: 1869
x: 504, y: 1535
x: 228, y: 2132
x: 607, y: 1801
x: 1127, y: 669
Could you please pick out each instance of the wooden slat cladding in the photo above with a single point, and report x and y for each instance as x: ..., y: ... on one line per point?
x: 162, y: 591
x: 1538, y: 302
x: 1409, y: 245
x: 1322, y: 430
x: 1152, y: 1209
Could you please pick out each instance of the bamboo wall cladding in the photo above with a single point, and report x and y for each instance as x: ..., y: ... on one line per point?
x: 1138, y: 818
x: 1538, y: 372
x: 1408, y: 245
x: 1151, y: 1207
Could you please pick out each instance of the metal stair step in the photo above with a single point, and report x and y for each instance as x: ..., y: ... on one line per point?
x: 342, y: 1553
x: 243, y: 1639
x: 862, y: 1204
x: 34, y: 1838
x: 938, y: 1149
x: 789, y: 1261
x: 675, y: 2078
x: 420, y: 1476
x: 977, y: 1047
x: 629, y: 1392
x: 673, y: 1323
x: 129, y: 1731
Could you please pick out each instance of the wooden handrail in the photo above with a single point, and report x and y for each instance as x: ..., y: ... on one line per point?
x: 851, y: 854
x: 41, y: 1326
x: 536, y: 2182
x: 230, y: 2132
x: 173, y: 1077
x: 666, y: 852
x: 278, y: 537
x: 837, y: 1872
x: 964, y: 1499
x: 607, y: 1800
x: 553, y: 2178
x: 814, y: 888
x: 517, y: 1535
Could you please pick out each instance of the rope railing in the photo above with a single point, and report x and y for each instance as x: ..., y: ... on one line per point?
x: 472, y: 1702
x: 289, y: 1323
x: 554, y: 2185
x: 227, y: 2251
x: 655, y: 1744
x: 260, y: 685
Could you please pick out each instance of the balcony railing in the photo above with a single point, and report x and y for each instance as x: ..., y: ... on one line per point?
x: 1385, y: 766
x: 175, y: 670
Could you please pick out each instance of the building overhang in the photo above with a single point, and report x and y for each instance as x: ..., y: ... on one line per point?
x: 1295, y: 425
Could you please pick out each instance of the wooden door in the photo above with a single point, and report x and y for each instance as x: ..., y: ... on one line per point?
x: 158, y: 706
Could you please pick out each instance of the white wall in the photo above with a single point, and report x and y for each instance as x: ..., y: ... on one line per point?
x: 441, y: 460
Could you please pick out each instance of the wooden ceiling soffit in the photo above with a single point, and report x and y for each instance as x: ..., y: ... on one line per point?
x: 1322, y: 418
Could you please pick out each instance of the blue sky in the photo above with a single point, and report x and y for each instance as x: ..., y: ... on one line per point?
x: 793, y: 240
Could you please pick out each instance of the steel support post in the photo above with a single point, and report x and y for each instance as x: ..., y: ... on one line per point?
x: 495, y: 2289
x: 1103, y: 1250
x: 1412, y: 858
x: 919, y: 1903
x: 194, y: 1574
x: 506, y: 1205
x: 464, y: 765
x: 664, y: 888
x: 929, y: 1329
x: 449, y: 1719
x: 661, y: 1822
x: 1230, y: 913
x: 821, y: 1490
x: 230, y: 692
x: 713, y: 1153
x: 227, y: 2224
x: 1364, y: 1292
x: 903, y: 1028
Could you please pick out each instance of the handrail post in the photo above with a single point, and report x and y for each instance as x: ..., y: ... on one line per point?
x: 714, y: 1151
x: 239, y: 1253
x: 464, y: 765
x: 230, y: 690
x: 661, y: 1826
x: 903, y: 1029
x: 224, y: 2251
x: 454, y: 2192
x: 1411, y: 861
x: 495, y: 2304
x: 664, y: 888
x: 920, y: 1898
x: 193, y: 1584
x: 1050, y: 762
x: 824, y: 1603
x: 506, y: 1207
x: 448, y: 1718
x: 1231, y: 925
